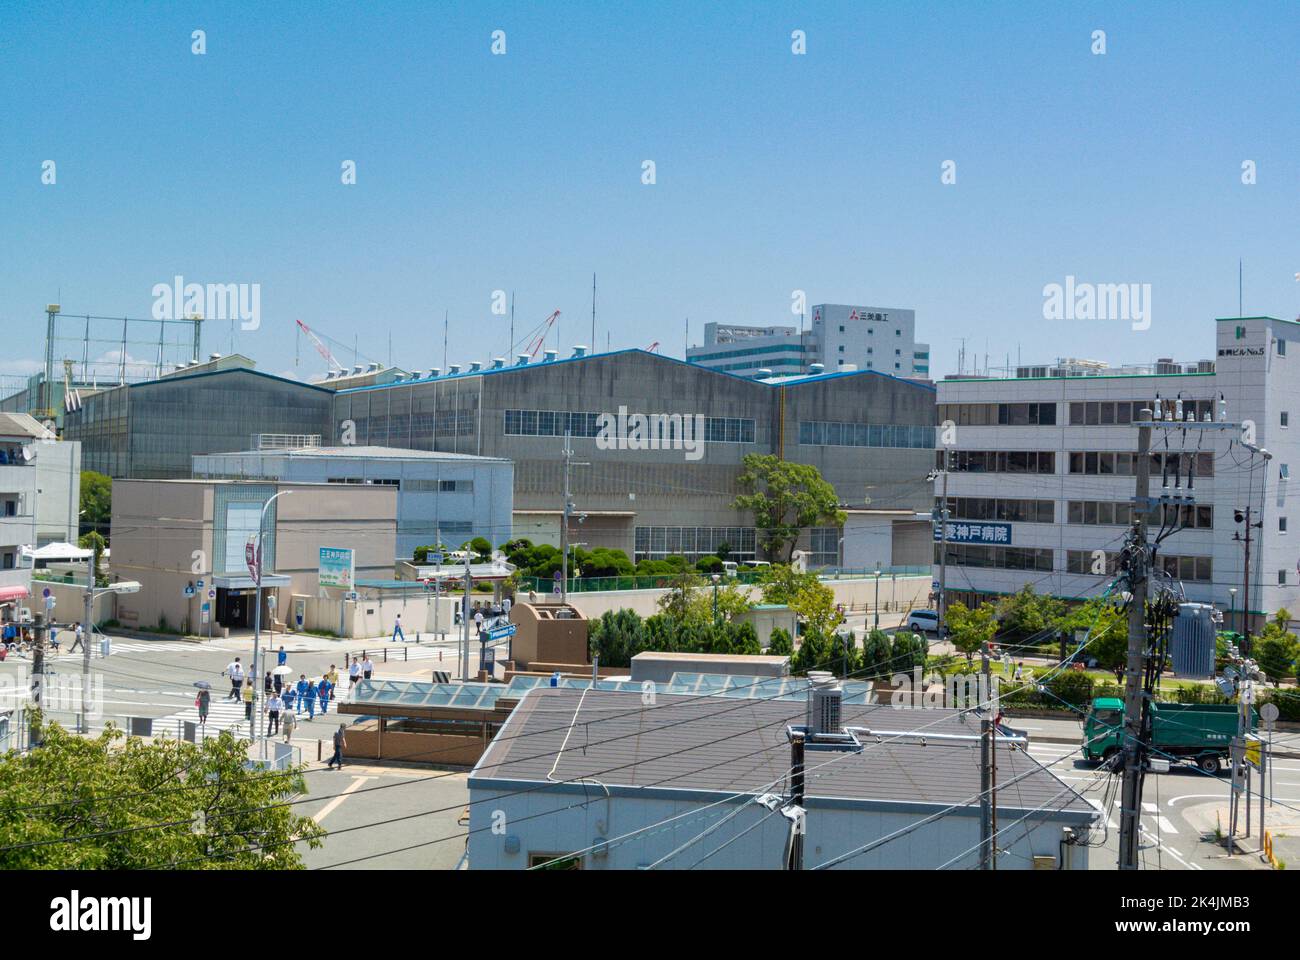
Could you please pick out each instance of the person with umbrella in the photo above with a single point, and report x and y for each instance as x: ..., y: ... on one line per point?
x: 278, y: 675
x: 203, y: 701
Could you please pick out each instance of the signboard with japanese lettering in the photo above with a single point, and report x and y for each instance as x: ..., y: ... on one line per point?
x: 970, y: 532
x: 337, y: 567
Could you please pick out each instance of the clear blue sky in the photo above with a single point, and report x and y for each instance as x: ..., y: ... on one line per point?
x: 775, y: 172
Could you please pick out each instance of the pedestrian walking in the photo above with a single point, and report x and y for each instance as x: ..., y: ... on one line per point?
x: 203, y: 701
x: 290, y: 721
x: 310, y: 697
x: 268, y: 683
x: 278, y: 681
x: 323, y: 694
x: 54, y: 639
x: 248, y: 703
x: 235, y: 671
x: 397, y: 629
x: 290, y: 698
x: 478, y: 622
x: 77, y: 638
x: 340, y: 741
x: 281, y: 657
x: 1019, y: 671
x: 354, y: 673
x: 332, y: 675
x: 303, y: 685
x: 367, y: 668
x: 273, y: 708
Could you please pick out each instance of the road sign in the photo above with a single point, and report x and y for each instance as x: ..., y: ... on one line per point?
x: 198, y: 584
x: 212, y: 593
x: 1252, y: 751
x: 189, y: 590
x: 505, y: 630
x: 1268, y: 712
x: 437, y: 559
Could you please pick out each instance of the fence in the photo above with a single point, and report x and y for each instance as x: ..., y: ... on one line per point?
x: 663, y: 581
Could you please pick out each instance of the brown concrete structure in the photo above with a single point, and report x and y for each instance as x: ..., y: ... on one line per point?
x: 549, y: 633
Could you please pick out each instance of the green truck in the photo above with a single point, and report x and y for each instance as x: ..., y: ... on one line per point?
x: 1199, y: 733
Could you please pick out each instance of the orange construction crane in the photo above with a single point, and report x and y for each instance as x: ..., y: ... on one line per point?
x: 653, y: 347
x: 323, y: 350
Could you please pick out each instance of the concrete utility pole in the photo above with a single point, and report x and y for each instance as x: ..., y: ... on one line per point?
x: 986, y: 769
x: 87, y: 633
x: 255, y: 678
x: 564, y: 520
x: 38, y: 673
x: 464, y: 620
x: 942, y: 603
x: 1139, y: 563
x: 796, y: 791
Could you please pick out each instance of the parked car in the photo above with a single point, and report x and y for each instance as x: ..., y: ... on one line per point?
x: 923, y: 621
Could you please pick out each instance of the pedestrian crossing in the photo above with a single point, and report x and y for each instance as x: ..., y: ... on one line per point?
x: 222, y: 715
x: 147, y: 646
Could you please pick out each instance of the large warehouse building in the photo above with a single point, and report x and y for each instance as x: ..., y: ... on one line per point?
x: 657, y: 443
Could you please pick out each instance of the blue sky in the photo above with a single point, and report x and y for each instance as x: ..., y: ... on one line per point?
x: 775, y: 172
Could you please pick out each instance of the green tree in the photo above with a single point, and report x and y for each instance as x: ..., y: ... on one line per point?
x: 969, y: 630
x: 784, y: 498
x: 732, y: 601
x: 683, y: 589
x: 617, y: 637
x: 1027, y: 613
x: 875, y: 656
x: 780, y: 582
x: 94, y: 540
x: 1276, y: 648
x: 814, y: 604
x: 908, y: 652
x: 1107, y: 632
x: 96, y: 500
x: 778, y: 644
x: 82, y: 803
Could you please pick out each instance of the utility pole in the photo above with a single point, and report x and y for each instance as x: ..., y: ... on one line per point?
x: 1134, y: 707
x: 796, y: 789
x: 87, y: 633
x: 942, y: 602
x: 464, y: 621
x: 564, y: 523
x: 593, y: 313
x: 1245, y: 585
x: 986, y: 769
x: 38, y: 674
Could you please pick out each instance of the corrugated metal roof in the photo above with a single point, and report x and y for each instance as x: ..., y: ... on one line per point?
x: 723, y: 745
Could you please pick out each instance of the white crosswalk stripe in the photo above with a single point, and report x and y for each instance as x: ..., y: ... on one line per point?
x: 222, y: 715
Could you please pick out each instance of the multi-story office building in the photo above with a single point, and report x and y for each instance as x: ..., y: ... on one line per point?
x: 841, y: 338
x: 1041, y: 473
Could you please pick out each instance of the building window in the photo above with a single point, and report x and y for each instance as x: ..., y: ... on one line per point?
x: 1281, y: 577
x: 1281, y: 524
x: 1281, y: 347
x: 823, y: 434
x: 1286, y: 419
x: 554, y: 861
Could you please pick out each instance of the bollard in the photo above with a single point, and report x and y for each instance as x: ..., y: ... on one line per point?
x: 405, y: 651
x: 385, y: 654
x: 318, y: 753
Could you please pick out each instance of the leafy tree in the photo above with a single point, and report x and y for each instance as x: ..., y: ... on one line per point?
x: 1276, y: 647
x: 778, y: 644
x: 1107, y: 633
x: 908, y: 651
x: 95, y: 541
x: 617, y: 637
x: 814, y: 653
x: 969, y: 630
x: 709, y: 564
x: 81, y: 803
x: 1027, y: 613
x: 874, y: 663
x: 814, y: 604
x: 96, y: 500
x: 784, y: 498
x: 682, y: 592
x: 780, y: 582
x: 732, y: 601
x: 604, y: 562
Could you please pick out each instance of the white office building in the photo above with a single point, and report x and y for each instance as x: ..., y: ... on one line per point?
x: 1041, y: 472
x: 840, y: 338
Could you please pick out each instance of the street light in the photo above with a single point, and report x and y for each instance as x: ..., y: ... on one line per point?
x: 88, y: 634
x: 877, y: 623
x: 256, y: 678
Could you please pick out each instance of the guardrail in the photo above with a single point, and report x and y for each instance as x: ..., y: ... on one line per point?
x: 662, y: 581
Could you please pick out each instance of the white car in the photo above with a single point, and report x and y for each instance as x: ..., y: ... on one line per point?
x: 923, y: 621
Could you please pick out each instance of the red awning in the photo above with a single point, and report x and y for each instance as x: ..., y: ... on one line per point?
x: 9, y: 594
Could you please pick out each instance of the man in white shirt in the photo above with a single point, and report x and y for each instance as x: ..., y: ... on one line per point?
x: 273, y: 708
x: 367, y: 668
x: 235, y: 671
x: 354, y: 672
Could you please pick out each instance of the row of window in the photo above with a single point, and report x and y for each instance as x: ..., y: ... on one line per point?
x: 655, y: 543
x: 438, y: 486
x: 554, y: 423
x: 819, y: 433
x: 1107, y: 412
x: 365, y: 480
x: 1118, y: 513
x: 1004, y: 558
x: 1186, y: 569
x: 1124, y: 464
x: 751, y: 352
x: 997, y: 461
x: 998, y: 414
x: 998, y: 508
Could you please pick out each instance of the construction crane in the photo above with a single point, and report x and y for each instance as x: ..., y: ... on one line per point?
x: 654, y: 347
x: 539, y: 334
x: 323, y: 350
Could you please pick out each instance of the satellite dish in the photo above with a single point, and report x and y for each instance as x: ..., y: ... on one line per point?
x: 1225, y: 685
x: 29, y: 452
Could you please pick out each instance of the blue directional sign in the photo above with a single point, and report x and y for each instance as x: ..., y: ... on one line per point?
x: 505, y: 630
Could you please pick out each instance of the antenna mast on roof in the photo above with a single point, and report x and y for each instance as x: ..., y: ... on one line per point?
x: 593, y: 313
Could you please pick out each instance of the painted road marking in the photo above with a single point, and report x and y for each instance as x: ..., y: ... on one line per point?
x: 330, y: 807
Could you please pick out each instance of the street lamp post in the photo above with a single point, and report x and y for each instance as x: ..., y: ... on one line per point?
x: 877, y: 619
x: 1232, y: 618
x: 256, y: 678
